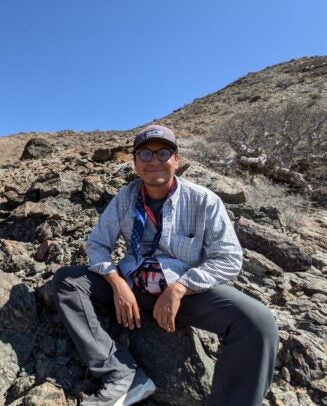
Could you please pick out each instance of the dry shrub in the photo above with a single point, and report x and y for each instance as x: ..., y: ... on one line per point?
x: 293, y: 207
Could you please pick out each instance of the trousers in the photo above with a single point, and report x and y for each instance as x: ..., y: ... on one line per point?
x: 246, y: 329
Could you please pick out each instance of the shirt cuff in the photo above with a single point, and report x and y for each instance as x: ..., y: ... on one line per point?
x: 103, y: 268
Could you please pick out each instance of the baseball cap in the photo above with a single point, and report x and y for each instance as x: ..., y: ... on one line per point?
x: 155, y: 133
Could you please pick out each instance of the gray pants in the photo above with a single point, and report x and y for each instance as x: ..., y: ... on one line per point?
x: 246, y: 328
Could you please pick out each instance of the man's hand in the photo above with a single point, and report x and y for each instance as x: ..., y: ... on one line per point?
x: 167, y: 305
x: 127, y: 310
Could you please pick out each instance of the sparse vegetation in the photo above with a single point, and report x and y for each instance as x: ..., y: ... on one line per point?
x: 293, y: 208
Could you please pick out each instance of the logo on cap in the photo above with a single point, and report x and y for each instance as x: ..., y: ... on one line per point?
x: 154, y: 133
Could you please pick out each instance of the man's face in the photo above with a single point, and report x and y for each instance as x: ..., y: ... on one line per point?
x: 155, y: 172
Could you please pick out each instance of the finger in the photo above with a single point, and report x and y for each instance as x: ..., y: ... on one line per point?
x: 160, y: 318
x: 167, y: 321
x: 118, y: 313
x: 163, y: 319
x: 137, y: 316
x: 171, y: 324
x: 130, y: 318
x: 124, y: 317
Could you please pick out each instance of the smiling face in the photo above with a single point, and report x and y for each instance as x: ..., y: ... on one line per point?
x: 157, y: 176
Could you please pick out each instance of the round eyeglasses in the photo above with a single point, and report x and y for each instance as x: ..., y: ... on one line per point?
x: 163, y: 154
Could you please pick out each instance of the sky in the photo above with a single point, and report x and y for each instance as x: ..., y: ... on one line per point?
x: 117, y: 64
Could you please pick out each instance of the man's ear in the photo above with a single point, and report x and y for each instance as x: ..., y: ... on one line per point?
x: 177, y: 159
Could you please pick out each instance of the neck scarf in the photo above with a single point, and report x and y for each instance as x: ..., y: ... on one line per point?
x: 141, y: 212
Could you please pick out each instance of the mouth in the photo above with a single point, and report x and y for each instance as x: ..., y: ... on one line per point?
x: 154, y: 170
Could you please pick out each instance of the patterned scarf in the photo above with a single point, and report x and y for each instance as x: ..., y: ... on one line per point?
x: 141, y: 213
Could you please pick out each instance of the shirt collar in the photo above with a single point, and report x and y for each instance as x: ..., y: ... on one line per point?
x: 175, y: 196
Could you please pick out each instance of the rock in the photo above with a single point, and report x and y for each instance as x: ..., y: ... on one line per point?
x: 119, y: 153
x: 42, y: 251
x: 254, y: 262
x: 93, y: 190
x: 303, y: 359
x: 36, y: 148
x: 41, y: 210
x: 44, y: 232
x: 46, y: 394
x: 18, y: 310
x: 183, y: 372
x: 22, y: 385
x: 288, y: 254
x: 14, y: 256
x: 16, y: 349
x: 45, y: 293
x: 14, y: 199
x: 102, y: 155
x: 284, y: 394
x: 53, y: 183
x: 267, y: 216
x: 18, y: 319
x: 230, y: 190
x: 309, y: 283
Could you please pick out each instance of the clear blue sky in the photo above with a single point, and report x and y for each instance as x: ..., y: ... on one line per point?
x: 117, y: 64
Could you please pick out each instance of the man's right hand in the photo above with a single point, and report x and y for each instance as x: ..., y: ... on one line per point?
x: 127, y: 310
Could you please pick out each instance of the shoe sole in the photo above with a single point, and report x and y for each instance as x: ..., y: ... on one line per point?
x: 136, y: 395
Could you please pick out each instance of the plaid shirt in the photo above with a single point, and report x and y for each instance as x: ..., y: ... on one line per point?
x: 198, y: 246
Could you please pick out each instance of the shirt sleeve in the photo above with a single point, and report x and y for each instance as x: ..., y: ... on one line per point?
x: 102, y: 239
x: 222, y: 253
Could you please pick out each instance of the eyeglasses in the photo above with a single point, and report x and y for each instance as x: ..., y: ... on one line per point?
x: 163, y: 154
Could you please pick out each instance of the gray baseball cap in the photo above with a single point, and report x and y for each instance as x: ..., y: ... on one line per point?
x: 155, y: 133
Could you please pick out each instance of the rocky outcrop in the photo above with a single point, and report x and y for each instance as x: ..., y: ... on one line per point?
x: 47, y: 227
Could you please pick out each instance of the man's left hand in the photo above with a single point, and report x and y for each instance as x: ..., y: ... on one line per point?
x: 167, y: 305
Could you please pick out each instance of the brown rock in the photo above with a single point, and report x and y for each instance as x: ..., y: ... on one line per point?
x: 288, y: 254
x: 14, y: 256
x: 43, y: 250
x: 41, y: 209
x: 102, y: 155
x: 36, y: 148
x: 93, y: 189
x: 46, y: 394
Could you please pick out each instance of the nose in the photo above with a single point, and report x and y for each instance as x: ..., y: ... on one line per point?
x: 155, y: 157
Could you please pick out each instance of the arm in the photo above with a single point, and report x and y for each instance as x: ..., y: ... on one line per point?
x: 100, y: 244
x: 222, y: 261
x: 222, y: 253
x: 102, y: 240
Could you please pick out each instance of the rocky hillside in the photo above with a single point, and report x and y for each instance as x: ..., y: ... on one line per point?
x: 266, y: 127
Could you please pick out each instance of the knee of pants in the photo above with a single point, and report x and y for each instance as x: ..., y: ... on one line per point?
x: 61, y: 275
x: 264, y: 325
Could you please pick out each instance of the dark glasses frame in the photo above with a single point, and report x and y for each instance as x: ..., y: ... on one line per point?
x: 170, y: 151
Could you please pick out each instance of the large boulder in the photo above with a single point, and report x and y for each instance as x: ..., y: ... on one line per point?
x: 181, y: 364
x: 36, y: 148
x: 281, y: 249
x: 228, y: 189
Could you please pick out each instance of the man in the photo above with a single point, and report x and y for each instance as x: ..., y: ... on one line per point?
x: 181, y: 251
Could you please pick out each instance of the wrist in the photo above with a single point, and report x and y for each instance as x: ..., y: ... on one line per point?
x: 114, y: 279
x: 181, y: 289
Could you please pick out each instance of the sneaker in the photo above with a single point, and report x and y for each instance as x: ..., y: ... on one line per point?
x: 125, y: 392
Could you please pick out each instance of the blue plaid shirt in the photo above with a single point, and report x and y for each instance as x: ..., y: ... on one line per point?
x: 198, y: 246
